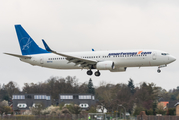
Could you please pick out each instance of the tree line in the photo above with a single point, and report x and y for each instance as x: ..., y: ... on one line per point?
x: 135, y: 99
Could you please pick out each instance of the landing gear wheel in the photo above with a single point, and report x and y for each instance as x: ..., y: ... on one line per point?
x: 158, y: 70
x: 97, y: 73
x: 89, y: 72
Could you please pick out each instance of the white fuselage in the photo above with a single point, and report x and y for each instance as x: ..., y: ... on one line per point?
x: 127, y: 58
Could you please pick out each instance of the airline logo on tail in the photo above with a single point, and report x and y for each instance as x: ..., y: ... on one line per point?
x: 27, y: 45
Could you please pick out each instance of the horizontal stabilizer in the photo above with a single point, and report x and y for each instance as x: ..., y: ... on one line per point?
x: 19, y: 56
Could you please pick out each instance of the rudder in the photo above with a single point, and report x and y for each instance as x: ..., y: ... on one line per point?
x: 27, y: 44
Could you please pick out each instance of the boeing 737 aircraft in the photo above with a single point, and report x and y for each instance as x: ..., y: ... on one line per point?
x: 114, y: 61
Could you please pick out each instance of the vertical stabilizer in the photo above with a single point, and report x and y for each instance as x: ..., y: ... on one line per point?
x: 27, y: 44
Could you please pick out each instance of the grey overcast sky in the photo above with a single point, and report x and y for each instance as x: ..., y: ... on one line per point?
x: 80, y: 25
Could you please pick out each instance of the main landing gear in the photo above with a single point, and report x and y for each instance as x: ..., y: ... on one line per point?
x: 89, y: 72
x: 97, y: 73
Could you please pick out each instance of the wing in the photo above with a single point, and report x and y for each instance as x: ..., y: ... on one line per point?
x: 75, y: 59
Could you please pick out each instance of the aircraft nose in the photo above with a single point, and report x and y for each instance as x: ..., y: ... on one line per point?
x: 172, y: 58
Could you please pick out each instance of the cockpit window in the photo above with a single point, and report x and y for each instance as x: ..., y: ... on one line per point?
x: 164, y: 54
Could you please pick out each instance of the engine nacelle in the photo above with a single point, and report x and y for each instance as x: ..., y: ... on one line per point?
x: 105, y: 65
x: 119, y: 69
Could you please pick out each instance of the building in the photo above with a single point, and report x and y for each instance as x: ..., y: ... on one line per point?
x: 83, y: 100
x: 177, y: 108
x: 174, y: 104
x: 22, y: 102
x: 163, y: 105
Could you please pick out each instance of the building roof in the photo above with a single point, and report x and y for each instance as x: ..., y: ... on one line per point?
x: 163, y: 104
x: 31, y: 94
x: 172, y: 104
x: 75, y: 94
x: 176, y: 104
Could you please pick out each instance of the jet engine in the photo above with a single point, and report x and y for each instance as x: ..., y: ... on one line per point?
x: 105, y: 65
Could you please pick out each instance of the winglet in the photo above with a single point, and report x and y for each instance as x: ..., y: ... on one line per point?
x: 46, y: 46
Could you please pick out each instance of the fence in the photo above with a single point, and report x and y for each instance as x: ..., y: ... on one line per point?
x: 85, y: 117
x: 43, y: 117
x: 152, y: 117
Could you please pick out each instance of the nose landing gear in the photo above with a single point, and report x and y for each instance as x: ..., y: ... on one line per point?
x: 161, y: 67
x: 158, y: 70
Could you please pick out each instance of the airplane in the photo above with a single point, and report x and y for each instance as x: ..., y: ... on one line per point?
x: 112, y: 60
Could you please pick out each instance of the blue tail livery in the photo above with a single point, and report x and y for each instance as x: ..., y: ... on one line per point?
x: 27, y: 44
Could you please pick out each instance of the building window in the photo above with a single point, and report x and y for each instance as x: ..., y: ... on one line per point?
x: 84, y: 96
x: 39, y: 96
x: 47, y: 97
x: 66, y: 97
x: 35, y: 96
x: 18, y: 97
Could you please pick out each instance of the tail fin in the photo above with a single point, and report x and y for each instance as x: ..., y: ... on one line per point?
x: 27, y: 44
